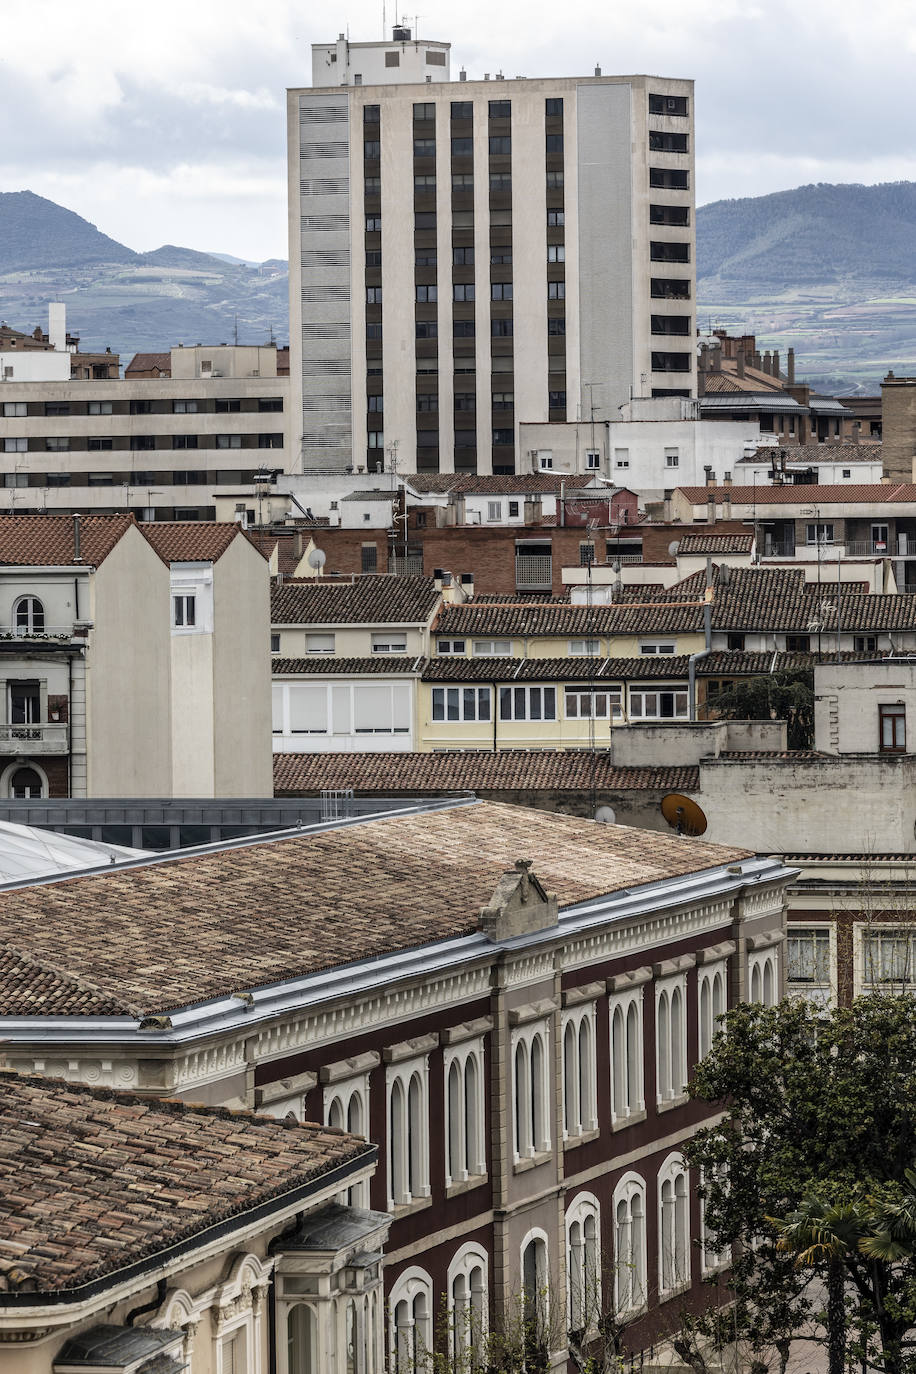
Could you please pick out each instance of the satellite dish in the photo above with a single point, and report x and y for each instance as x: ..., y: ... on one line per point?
x: 683, y: 815
x: 317, y: 559
x: 673, y: 547
x: 606, y: 815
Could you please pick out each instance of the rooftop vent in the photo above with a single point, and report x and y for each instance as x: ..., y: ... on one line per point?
x: 401, y: 35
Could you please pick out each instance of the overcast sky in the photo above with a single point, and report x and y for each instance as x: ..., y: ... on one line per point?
x: 165, y: 123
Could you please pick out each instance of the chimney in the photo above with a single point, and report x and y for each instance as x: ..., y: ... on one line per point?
x: 57, y: 326
x: 703, y: 363
x: 740, y: 362
x: 597, y: 71
x: 727, y: 479
x: 710, y: 476
x: 767, y: 363
x: 776, y: 364
x: 717, y: 359
x: 711, y: 510
x: 77, y: 555
x: 856, y: 430
x: 790, y: 367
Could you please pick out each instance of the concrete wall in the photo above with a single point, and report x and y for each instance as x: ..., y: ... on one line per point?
x: 34, y: 365
x: 642, y: 746
x: 847, y: 700
x: 241, y: 674
x: 128, y: 707
x: 898, y: 436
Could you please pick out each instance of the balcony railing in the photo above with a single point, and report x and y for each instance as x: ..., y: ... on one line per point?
x: 51, y: 738
x: 48, y: 632
x: 623, y: 558
x: 534, y: 573
x: 412, y: 566
x: 868, y: 548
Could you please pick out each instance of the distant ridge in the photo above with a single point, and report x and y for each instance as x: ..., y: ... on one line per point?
x: 36, y: 234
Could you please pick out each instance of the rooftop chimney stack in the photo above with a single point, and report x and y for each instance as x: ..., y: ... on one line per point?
x: 776, y: 364
x: 790, y: 367
x: 57, y: 326
x: 740, y: 362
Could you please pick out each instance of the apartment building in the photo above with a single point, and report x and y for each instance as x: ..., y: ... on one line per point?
x: 508, y: 1004
x: 159, y: 447
x: 134, y: 659
x: 106, y: 1278
x: 468, y: 255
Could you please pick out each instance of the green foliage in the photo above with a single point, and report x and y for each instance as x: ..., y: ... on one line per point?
x: 785, y: 696
x: 808, y: 1175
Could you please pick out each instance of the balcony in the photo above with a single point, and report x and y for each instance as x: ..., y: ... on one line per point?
x: 34, y: 740
x: 534, y: 573
x: 411, y: 566
x: 868, y: 548
x: 49, y: 632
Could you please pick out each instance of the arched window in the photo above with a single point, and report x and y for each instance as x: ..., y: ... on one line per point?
x: 465, y: 1151
x: 627, y: 1095
x: 302, y: 1340
x: 711, y: 1005
x: 27, y: 783
x: 415, y: 1133
x: 346, y: 1106
x: 629, y: 1244
x: 763, y: 977
x: 673, y: 1226
x: 410, y: 1324
x: 712, y: 1258
x: 671, y: 1038
x: 531, y: 1124
x: 583, y: 1262
x: 397, y: 1143
x: 579, y: 1090
x: 467, y: 1305
x: 29, y: 616
x: 408, y: 1132
x: 535, y: 1295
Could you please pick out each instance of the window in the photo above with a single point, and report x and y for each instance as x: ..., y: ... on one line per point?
x: 554, y: 143
x: 184, y: 611
x: 500, y: 145
x: 583, y: 647
x: 427, y: 402
x: 494, y: 511
x: 184, y: 407
x: 586, y: 554
x: 373, y: 295
x: 463, y: 291
x: 16, y: 445
x: 463, y: 257
x: 424, y: 110
x: 667, y: 704
x: 556, y: 290
x: 530, y: 1085
x: 593, y: 703
x: 408, y: 1132
x: 187, y: 440
x: 467, y: 1306
x: 501, y: 329
x: 98, y: 408
x: 798, y: 644
x: 226, y: 405
x: 819, y: 534
x: 492, y: 648
x: 711, y: 1258
x: 809, y: 962
x: 225, y: 441
x: 535, y: 1299
x: 556, y: 219
x: 462, y: 109
x: 847, y: 472
x: 424, y: 183
x: 763, y: 977
x: 373, y: 224
x: 465, y: 1155
x: 672, y: 459
x: 554, y: 181
x: 26, y: 784
x: 373, y: 331
x: 389, y: 642
x: 887, y: 958
x: 192, y: 597
x: 667, y: 143
x: 629, y: 1244
x: 463, y: 329
x: 319, y: 643
x: 501, y: 257
x: 450, y: 646
x: 892, y: 729
x: 462, y: 147
x: 424, y: 147
x: 346, y: 1106
x: 655, y: 647
x: 29, y: 616
x: 670, y: 1038
x: 274, y: 643
x: 865, y: 644
x: 392, y: 59
x: 99, y: 444
x: 426, y: 329
x: 583, y: 1262
x: 556, y: 252
x: 712, y: 1003
x: 372, y: 149
x: 270, y: 441
x: 368, y: 558
x: 15, y: 409
x: 372, y: 114
x: 580, y: 1110
x: 461, y: 703
x: 501, y: 291
x: 57, y: 407
x: 504, y: 437
x: 556, y: 400
x: 410, y: 1322
x: 627, y: 1092
x: 592, y: 460
x: 527, y: 703
x: 668, y: 104
x: 425, y: 219
x: 500, y: 181
x: 467, y: 400
x: 504, y: 400
x: 500, y: 109
x: 673, y: 1227
x: 734, y: 641
x: 514, y: 510
x: 621, y: 457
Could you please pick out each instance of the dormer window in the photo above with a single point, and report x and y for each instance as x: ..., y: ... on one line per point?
x: 29, y: 616
x: 192, y: 598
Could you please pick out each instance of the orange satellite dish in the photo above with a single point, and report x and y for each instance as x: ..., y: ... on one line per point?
x: 683, y: 815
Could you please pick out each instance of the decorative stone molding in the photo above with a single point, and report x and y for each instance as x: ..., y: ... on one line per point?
x: 410, y: 1049
x: 667, y: 968
x: 624, y: 982
x: 349, y: 1068
x: 284, y: 1087
x: 714, y: 953
x: 533, y: 1011
x: 765, y: 939
x: 468, y: 1030
x: 589, y: 992
x: 519, y: 905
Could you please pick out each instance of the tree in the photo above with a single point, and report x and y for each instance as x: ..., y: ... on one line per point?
x: 807, y: 1176
x: 785, y: 696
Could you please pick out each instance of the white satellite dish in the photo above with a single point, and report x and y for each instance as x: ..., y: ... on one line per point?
x: 673, y: 547
x: 606, y: 815
x: 317, y: 559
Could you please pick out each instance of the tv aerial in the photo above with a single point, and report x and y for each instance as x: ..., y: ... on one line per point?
x: 683, y: 814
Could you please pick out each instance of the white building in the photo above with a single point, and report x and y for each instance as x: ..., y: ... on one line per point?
x: 550, y: 265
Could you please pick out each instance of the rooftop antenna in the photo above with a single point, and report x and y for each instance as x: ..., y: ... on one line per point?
x: 236, y: 330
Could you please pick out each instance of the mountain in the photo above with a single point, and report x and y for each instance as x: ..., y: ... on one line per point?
x: 132, y: 302
x: 828, y: 269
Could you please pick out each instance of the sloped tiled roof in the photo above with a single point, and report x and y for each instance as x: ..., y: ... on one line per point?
x: 364, y: 601
x: 193, y: 541
x: 149, y: 362
x: 92, y: 1181
x: 325, y: 665
x: 715, y: 543
x: 792, y: 494
x: 49, y: 540
x: 868, y: 451
x: 575, y: 668
x: 507, y: 484
x: 473, y: 770
x: 174, y: 933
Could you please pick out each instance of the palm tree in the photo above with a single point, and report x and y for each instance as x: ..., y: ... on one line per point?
x: 832, y: 1234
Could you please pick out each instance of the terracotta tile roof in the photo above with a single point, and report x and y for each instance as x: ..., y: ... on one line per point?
x: 494, y: 484
x: 193, y: 541
x: 364, y: 601
x: 868, y: 451
x: 36, y: 540
x: 472, y: 770
x: 715, y: 543
x: 849, y: 493
x: 325, y: 665
x: 772, y: 756
x: 575, y: 668
x: 149, y: 362
x: 92, y: 1180
x: 754, y: 379
x: 170, y: 934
